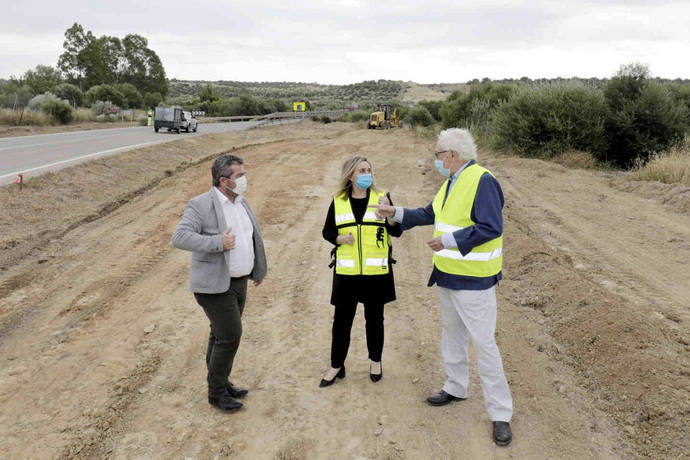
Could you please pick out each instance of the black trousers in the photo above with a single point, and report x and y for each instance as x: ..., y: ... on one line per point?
x: 342, y: 325
x: 224, y: 311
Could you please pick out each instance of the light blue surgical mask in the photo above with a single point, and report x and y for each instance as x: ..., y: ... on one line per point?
x: 364, y: 181
x: 445, y: 172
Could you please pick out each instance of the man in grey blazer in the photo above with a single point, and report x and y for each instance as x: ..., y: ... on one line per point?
x: 220, y: 230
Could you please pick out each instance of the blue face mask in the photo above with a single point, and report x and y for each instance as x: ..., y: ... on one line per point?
x: 364, y: 181
x: 439, y: 166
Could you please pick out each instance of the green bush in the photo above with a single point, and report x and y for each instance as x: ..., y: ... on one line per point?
x: 152, y: 100
x: 680, y: 92
x: 132, y: 98
x: 37, y: 102
x: 70, y: 93
x: 61, y: 111
x: 434, y: 108
x: 545, y: 121
x: 458, y: 112
x: 642, y: 118
x: 419, y: 116
x: 105, y: 93
x: 355, y: 116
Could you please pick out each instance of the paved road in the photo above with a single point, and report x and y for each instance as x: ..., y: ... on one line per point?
x: 34, y: 155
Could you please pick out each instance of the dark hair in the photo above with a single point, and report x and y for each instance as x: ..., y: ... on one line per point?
x: 221, y: 167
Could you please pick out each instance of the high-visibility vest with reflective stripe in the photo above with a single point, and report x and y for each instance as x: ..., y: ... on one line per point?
x: 484, y: 260
x: 369, y: 253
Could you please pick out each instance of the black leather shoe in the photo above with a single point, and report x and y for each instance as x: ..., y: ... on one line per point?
x: 375, y: 377
x: 225, y: 402
x: 442, y: 398
x: 339, y: 375
x: 502, y: 433
x: 236, y: 392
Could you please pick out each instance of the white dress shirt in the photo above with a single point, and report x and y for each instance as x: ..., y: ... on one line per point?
x: 242, y: 255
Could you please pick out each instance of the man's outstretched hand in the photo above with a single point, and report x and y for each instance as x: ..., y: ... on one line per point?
x: 384, y: 210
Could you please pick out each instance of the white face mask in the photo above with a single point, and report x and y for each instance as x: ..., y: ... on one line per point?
x: 240, y: 185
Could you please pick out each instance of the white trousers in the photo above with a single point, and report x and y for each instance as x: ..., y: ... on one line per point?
x: 466, y: 314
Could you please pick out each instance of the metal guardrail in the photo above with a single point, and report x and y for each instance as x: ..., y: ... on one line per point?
x: 276, y: 115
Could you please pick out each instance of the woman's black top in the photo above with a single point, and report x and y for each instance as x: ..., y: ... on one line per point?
x: 360, y: 288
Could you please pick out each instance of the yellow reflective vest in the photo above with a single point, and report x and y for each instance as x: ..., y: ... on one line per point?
x: 370, y: 252
x: 484, y: 260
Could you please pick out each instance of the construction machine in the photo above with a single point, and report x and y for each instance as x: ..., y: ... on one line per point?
x: 386, y: 117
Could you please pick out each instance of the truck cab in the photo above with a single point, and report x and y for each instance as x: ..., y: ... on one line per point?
x: 188, y: 121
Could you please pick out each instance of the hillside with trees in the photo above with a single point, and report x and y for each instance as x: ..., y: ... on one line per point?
x: 101, y: 74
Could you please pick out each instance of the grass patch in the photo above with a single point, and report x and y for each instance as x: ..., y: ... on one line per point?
x: 672, y: 167
x: 28, y: 118
x: 578, y: 159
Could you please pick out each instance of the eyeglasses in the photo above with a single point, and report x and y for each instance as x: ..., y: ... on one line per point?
x: 439, y: 153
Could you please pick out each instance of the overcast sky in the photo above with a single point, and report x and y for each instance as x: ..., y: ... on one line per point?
x: 341, y: 41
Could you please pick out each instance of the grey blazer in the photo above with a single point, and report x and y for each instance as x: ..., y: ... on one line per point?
x: 199, y: 231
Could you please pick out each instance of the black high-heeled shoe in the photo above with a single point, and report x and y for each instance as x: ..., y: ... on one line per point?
x: 339, y: 375
x: 376, y: 377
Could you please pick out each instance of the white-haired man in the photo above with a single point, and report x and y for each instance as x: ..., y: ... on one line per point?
x: 468, y: 247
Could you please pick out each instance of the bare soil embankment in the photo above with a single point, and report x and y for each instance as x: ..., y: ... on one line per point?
x: 102, y: 345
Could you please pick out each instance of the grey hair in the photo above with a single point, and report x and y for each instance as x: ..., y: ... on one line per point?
x: 221, y: 167
x: 460, y: 141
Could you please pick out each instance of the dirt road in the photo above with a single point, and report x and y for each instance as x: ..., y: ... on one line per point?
x: 102, y: 345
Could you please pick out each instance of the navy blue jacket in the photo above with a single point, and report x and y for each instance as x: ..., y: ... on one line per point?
x: 488, y: 218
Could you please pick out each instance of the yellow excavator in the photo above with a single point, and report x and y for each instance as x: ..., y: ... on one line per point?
x: 386, y: 117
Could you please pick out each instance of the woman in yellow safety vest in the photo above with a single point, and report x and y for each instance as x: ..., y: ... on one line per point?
x: 363, y: 269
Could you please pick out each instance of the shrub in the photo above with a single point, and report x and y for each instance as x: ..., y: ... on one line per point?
x: 548, y: 120
x: 37, y: 102
x: 355, y: 116
x: 104, y: 93
x: 457, y: 110
x: 151, y: 100
x: 104, y: 108
x: 61, y: 111
x: 419, y: 116
x: 132, y: 98
x: 326, y: 119
x: 642, y: 118
x: 434, y: 108
x: 70, y: 93
x: 680, y: 92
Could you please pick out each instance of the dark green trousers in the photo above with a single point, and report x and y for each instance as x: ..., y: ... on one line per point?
x: 224, y: 311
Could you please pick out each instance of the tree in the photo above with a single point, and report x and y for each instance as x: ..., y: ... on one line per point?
x: 42, y: 79
x: 70, y: 93
x: 105, y: 93
x: 642, y: 117
x: 132, y: 97
x: 208, y: 93
x: 89, y: 61
x: 143, y: 67
x: 151, y: 100
x: 71, y: 62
